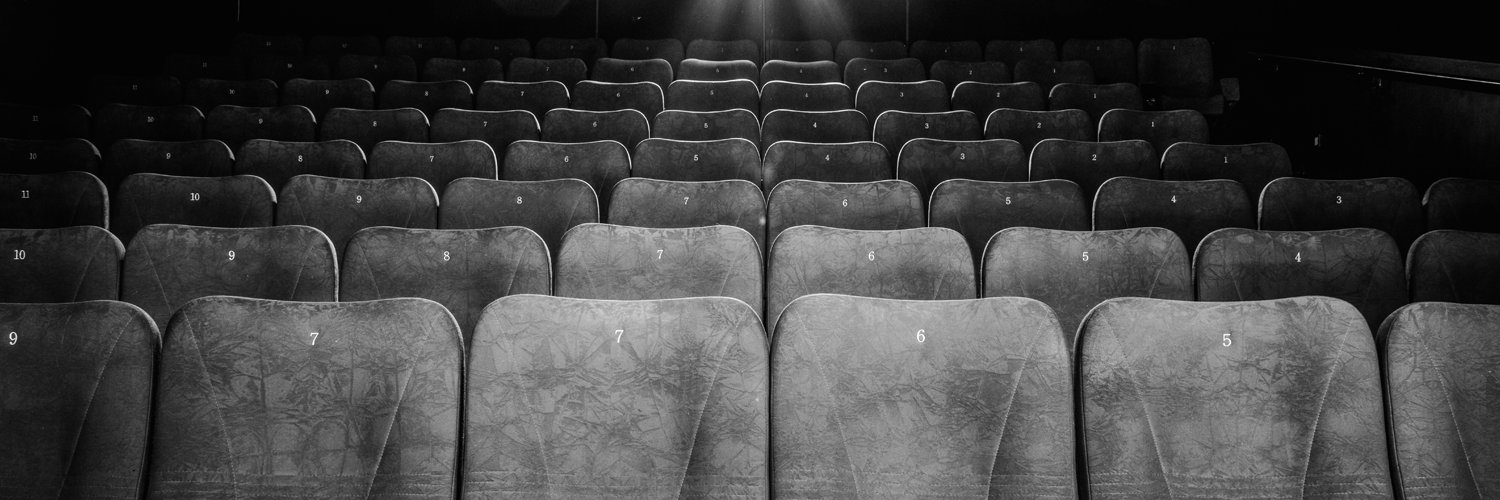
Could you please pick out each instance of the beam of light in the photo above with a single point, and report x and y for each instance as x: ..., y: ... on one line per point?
x: 813, y: 19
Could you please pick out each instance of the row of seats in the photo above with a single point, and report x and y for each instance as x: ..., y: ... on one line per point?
x: 744, y: 110
x: 604, y: 192
x: 167, y: 265
x: 562, y: 397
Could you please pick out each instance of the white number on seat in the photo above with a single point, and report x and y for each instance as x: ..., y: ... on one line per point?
x: 1007, y: 200
x: 314, y: 336
x: 18, y: 255
x: 565, y: 159
x: 169, y: 156
x: 684, y: 200
x: 846, y: 202
x: 921, y: 336
x: 872, y: 255
x: 705, y: 125
x: 25, y: 194
x: 446, y: 257
x: 1174, y: 198
x: 658, y: 254
x: 926, y: 126
x: 151, y: 119
x: 963, y: 156
x: 1339, y: 200
x: 359, y: 198
x: 1226, y: 159
x: 518, y: 200
x: 1094, y: 157
x: 299, y: 158
x: 194, y: 197
x: 31, y: 156
x: 374, y: 123
x: 618, y: 334
x: 14, y: 338
x: 231, y: 255
x: 1298, y: 257
x: 1038, y: 124
x: 1227, y: 340
x: 695, y: 157
x: 1085, y: 256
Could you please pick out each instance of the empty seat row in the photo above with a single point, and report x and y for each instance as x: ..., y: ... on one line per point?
x: 521, y: 410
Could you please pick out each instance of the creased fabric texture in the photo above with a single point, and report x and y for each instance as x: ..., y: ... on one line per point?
x: 550, y: 208
x: 462, y: 269
x: 1289, y: 408
x: 706, y: 125
x: 1073, y: 271
x: 427, y: 97
x: 822, y: 127
x: 201, y: 158
x: 591, y: 95
x: 535, y: 97
x: 953, y: 72
x: 697, y: 95
x: 496, y: 128
x: 876, y: 97
x: 277, y: 162
x: 1390, y: 204
x: 1095, y: 99
x: 270, y: 399
x: 71, y: 264
x: 574, y: 398
x: 605, y: 261
x: 809, y: 61
x: 567, y: 70
x: 1192, y: 209
x: 438, y: 164
x: 1030, y: 127
x: 625, y: 126
x: 1160, y: 128
x: 341, y: 207
x: 863, y: 161
x: 58, y: 121
x: 75, y: 399
x: 320, y: 94
x: 1089, y: 164
x: 1444, y: 397
x: 805, y: 96
x: 230, y: 201
x: 153, y: 123
x: 168, y: 265
x: 45, y: 156
x: 1455, y: 266
x: 1252, y: 165
x: 1462, y: 204
x: 1359, y: 266
x: 666, y: 204
x: 55, y: 200
x: 930, y: 263
x: 236, y: 124
x: 925, y: 163
x: 894, y: 128
x: 879, y: 398
x: 979, y: 209
x: 713, y: 160
x: 600, y: 163
x: 853, y: 205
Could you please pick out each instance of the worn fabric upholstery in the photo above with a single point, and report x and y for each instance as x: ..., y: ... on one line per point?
x: 550, y: 208
x: 880, y: 398
x: 1455, y: 266
x: 925, y: 163
x: 607, y: 261
x: 54, y: 200
x: 979, y: 209
x: 877, y: 205
x: 1266, y: 399
x: 69, y: 264
x: 655, y: 203
x: 277, y: 162
x: 341, y: 207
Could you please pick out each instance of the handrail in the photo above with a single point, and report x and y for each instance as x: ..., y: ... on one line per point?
x: 1455, y: 78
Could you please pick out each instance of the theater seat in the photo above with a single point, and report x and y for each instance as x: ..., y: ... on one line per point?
x: 1113, y: 60
x: 894, y: 128
x: 696, y: 160
x: 47, y: 156
x: 695, y: 95
x: 1440, y: 407
x: 1455, y: 266
x: 625, y: 126
x: 376, y: 69
x: 612, y: 262
x: 421, y: 49
x: 251, y: 44
x: 1089, y: 164
x: 189, y: 67
x: 496, y: 128
x: 645, y: 97
x: 428, y: 97
x: 236, y: 124
x: 1252, y: 165
x: 1455, y: 203
x: 718, y: 71
x: 654, y: 203
x: 839, y: 162
x: 1012, y: 52
x: 634, y: 70
x: 153, y: 123
x: 1360, y: 266
x: 1049, y: 74
x: 723, y: 50
x: 75, y: 408
x: 277, y: 162
x: 636, y: 50
x: 438, y: 164
x: 799, y: 50
x: 931, y: 52
x: 201, y: 158
x: 535, y: 97
x: 600, y: 163
x: 1161, y: 128
x: 821, y: 71
x: 1275, y: 399
x: 500, y: 49
x: 45, y: 201
x: 813, y: 127
x: 881, y: 205
x: 133, y: 90
x: 1192, y: 209
x: 879, y: 398
x: 169, y: 265
x: 875, y: 97
x: 952, y: 73
x: 1390, y: 204
x: 368, y: 391
x: 706, y: 125
x: 929, y: 263
x: 69, y: 264
x: 205, y: 94
x: 925, y: 163
x: 984, y: 98
x: 462, y: 269
x: 229, y: 202
x: 567, y: 71
x: 1096, y: 100
x: 860, y: 70
x: 60, y: 121
x: 473, y: 72
x: 584, y: 49
x: 681, y: 412
x: 1073, y: 271
x: 319, y: 96
x: 341, y: 207
x: 369, y: 127
x: 830, y: 96
x: 848, y: 50
x: 1030, y: 127
x: 1181, y: 73
x: 979, y: 209
x: 550, y: 207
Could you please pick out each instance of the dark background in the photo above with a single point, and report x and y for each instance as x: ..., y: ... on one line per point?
x: 1365, y: 123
